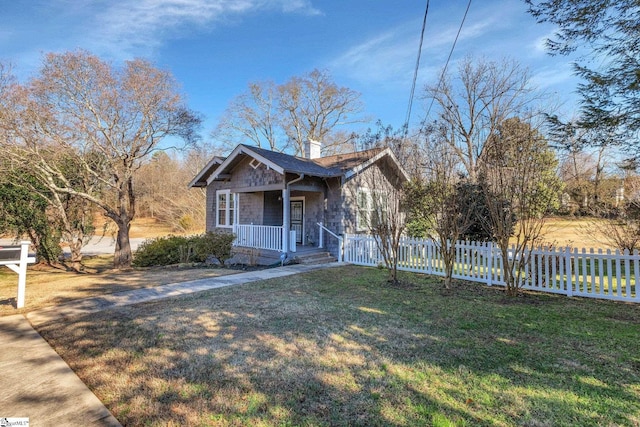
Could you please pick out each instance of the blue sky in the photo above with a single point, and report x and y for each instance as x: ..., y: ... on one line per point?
x: 216, y: 47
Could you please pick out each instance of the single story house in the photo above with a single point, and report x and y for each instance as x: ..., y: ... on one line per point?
x: 279, y: 203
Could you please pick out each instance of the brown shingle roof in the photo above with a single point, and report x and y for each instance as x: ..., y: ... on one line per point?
x: 347, y: 161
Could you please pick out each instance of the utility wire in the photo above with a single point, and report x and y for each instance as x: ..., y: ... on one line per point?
x: 444, y: 70
x: 415, y: 72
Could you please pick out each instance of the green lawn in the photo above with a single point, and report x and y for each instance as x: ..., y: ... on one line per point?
x: 342, y: 347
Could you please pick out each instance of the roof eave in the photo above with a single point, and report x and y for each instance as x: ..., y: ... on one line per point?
x: 362, y: 166
x: 198, y: 181
x: 243, y: 149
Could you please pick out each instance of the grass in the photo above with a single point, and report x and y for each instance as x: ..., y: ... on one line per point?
x: 342, y: 347
x: 574, y: 232
x: 51, y: 286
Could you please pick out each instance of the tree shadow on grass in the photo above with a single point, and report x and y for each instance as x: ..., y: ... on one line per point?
x: 306, y: 353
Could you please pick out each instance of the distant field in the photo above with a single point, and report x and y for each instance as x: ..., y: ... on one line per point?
x: 574, y: 232
x: 144, y: 227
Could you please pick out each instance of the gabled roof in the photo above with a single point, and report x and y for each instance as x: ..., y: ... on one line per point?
x: 340, y: 165
x: 350, y: 164
x: 282, y: 162
x: 201, y: 179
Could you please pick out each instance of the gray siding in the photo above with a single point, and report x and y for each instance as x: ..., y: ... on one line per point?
x: 272, y: 208
x: 326, y: 200
x: 244, y: 176
x: 251, y: 208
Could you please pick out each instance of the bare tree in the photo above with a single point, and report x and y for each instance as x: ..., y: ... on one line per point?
x: 253, y: 116
x: 438, y: 200
x: 283, y: 117
x: 619, y: 226
x: 162, y: 190
x: 474, y: 103
x: 379, y: 196
x: 109, y: 119
x: 518, y: 172
x: 408, y: 149
x: 587, y: 152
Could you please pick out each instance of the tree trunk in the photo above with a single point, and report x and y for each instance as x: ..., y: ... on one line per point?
x: 75, y: 248
x: 122, y: 257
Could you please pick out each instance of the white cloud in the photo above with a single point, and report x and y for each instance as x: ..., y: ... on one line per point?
x: 391, y: 56
x: 553, y: 76
x: 122, y: 28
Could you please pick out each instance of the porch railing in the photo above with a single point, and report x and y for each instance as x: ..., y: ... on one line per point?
x: 258, y: 236
x: 321, y: 240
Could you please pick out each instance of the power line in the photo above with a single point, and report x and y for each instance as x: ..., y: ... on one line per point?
x: 415, y: 72
x: 444, y: 70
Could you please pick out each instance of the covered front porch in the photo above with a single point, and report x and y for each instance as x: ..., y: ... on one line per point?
x: 273, y: 220
x: 267, y: 237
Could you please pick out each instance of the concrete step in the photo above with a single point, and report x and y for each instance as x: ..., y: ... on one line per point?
x: 315, y: 258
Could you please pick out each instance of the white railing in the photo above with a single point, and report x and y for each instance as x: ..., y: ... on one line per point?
x: 321, y: 240
x: 602, y: 274
x: 263, y: 237
x: 258, y: 236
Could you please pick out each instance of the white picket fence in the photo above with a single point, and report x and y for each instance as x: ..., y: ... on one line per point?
x: 594, y: 274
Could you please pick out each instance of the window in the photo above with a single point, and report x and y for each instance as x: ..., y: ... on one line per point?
x: 365, y: 209
x: 225, y: 208
x: 372, y: 209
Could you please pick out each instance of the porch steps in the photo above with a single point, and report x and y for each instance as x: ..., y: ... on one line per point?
x: 314, y: 258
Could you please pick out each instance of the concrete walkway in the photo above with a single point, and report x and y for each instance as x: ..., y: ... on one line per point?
x: 36, y: 383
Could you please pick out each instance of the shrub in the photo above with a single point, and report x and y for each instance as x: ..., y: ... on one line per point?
x: 216, y: 244
x: 177, y: 249
x: 186, y: 223
x: 162, y: 251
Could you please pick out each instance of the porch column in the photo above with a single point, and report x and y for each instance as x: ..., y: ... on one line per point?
x: 286, y: 215
x: 236, y: 208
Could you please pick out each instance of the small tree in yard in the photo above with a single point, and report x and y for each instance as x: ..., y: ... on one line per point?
x: 519, y: 178
x: 437, y: 206
x: 23, y: 212
x: 379, y: 196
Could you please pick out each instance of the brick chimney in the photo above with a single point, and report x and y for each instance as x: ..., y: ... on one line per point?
x: 312, y: 149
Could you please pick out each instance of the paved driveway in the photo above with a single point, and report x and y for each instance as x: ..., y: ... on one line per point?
x: 97, y: 246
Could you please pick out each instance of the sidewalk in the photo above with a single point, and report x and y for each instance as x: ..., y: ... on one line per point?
x: 36, y: 383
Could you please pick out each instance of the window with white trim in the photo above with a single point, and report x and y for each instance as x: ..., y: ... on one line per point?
x: 372, y: 208
x: 365, y: 209
x: 225, y: 208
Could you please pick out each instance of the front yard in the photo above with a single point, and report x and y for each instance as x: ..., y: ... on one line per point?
x: 48, y: 286
x: 341, y: 347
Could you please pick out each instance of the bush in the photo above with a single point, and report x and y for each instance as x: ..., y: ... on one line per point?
x: 162, y: 251
x: 216, y: 244
x: 177, y: 249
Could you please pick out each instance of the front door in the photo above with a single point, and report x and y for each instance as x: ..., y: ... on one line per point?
x: 297, y: 218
